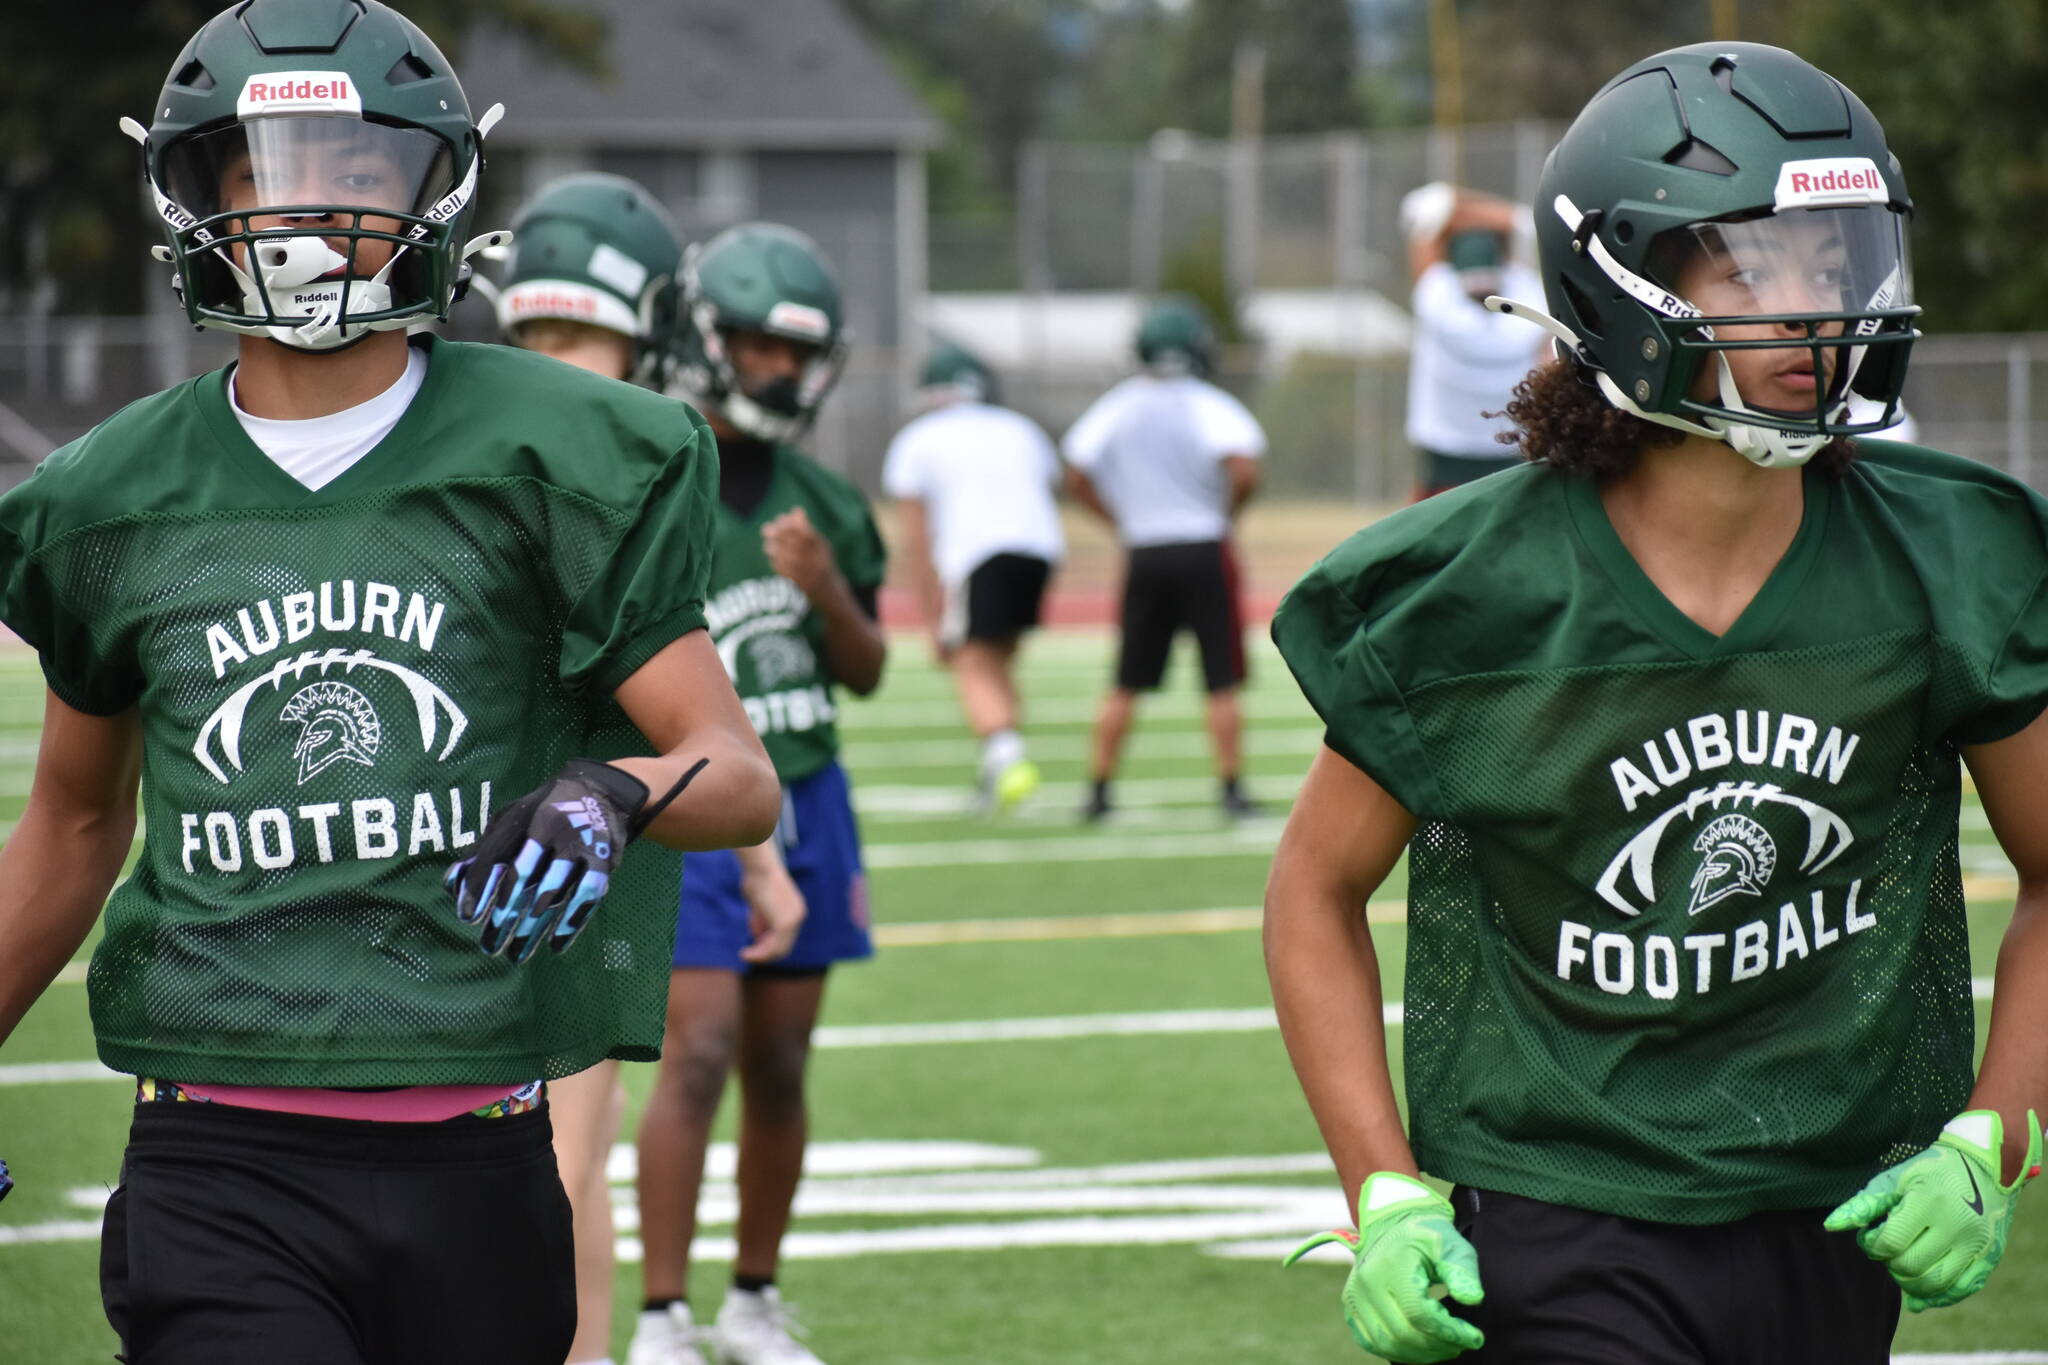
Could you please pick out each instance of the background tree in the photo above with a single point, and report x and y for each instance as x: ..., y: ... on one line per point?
x: 74, y: 230
x: 1960, y: 99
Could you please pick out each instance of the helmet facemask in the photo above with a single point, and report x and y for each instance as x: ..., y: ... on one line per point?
x: 783, y: 408
x: 314, y: 229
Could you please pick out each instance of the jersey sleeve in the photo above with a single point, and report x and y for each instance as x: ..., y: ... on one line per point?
x: 902, y: 469
x: 39, y: 603
x: 650, y: 589
x: 862, y: 556
x: 1086, y: 440
x: 2014, y: 669
x: 1327, y: 638
x: 1227, y: 426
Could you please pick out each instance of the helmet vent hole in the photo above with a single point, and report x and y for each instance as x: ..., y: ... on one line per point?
x: 194, y: 76
x: 1696, y: 155
x: 1722, y: 69
x: 406, y: 70
x: 1624, y: 231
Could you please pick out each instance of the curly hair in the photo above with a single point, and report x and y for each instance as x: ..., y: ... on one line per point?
x: 1564, y: 422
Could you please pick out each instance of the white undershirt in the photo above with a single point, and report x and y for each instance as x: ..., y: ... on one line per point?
x: 985, y: 475
x: 318, y: 450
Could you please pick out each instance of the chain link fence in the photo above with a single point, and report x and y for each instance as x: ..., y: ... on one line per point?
x: 1335, y: 421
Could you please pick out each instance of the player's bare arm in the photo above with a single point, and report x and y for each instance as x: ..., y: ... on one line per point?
x: 913, y: 527
x: 1082, y: 489
x: 1344, y: 836
x: 683, y: 702
x: 2014, y: 1076
x: 1243, y: 473
x: 855, y: 647
x: 60, y: 862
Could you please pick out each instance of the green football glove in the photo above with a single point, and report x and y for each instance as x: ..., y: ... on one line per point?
x: 1404, y: 1244
x: 1941, y: 1218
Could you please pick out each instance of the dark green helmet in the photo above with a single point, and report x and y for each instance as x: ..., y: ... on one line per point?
x: 1744, y: 160
x: 952, y: 372
x: 766, y: 278
x: 345, y: 126
x: 1176, y: 336
x: 597, y: 249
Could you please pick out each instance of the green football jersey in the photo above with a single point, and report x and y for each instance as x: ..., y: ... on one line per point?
x: 337, y: 688
x: 1686, y: 924
x: 772, y: 642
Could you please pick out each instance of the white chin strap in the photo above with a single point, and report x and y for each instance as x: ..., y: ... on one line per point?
x: 757, y: 421
x: 1765, y: 447
x: 290, y: 269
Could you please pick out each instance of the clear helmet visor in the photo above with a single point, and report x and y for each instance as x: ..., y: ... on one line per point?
x: 1793, y: 302
x: 286, y: 164
x: 312, y: 229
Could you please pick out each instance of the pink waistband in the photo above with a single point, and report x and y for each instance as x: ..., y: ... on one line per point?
x: 415, y: 1104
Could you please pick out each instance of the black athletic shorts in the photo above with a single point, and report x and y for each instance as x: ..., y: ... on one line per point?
x: 999, y: 601
x: 1171, y: 588
x: 1565, y: 1286
x: 244, y: 1237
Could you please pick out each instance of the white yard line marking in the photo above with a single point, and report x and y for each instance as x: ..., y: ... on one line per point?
x: 1162, y: 1022
x: 1253, y: 839
x: 864, y: 754
x: 1975, y: 1358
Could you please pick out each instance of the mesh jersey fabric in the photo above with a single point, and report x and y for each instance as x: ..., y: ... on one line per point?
x: 772, y: 643
x: 1686, y: 922
x: 336, y: 688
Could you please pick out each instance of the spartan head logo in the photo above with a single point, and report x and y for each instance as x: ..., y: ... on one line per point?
x: 335, y: 722
x: 337, y: 719
x: 1740, y: 857
x: 779, y: 658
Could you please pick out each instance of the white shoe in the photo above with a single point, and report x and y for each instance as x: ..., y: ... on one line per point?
x: 755, y: 1329
x: 667, y: 1337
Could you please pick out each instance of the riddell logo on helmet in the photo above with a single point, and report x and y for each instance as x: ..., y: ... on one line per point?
x: 553, y: 303
x: 1829, y: 181
x: 299, y: 92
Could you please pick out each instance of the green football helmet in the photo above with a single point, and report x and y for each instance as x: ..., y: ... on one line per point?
x: 341, y: 123
x: 766, y: 278
x: 1769, y: 172
x: 1176, y: 336
x: 952, y: 373
x: 597, y: 249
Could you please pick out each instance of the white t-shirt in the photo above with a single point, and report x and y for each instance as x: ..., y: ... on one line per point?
x: 1154, y: 447
x: 318, y: 450
x: 1467, y: 361
x: 986, y: 475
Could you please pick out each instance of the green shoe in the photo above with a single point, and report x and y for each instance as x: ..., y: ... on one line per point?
x: 1016, y: 782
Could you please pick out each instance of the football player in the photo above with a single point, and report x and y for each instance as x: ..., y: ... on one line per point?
x: 333, y: 609
x: 1671, y: 722
x: 973, y: 483
x: 1168, y: 460
x: 592, y: 281
x: 796, y: 566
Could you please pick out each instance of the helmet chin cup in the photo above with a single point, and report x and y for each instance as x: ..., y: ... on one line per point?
x: 311, y: 317
x: 757, y: 421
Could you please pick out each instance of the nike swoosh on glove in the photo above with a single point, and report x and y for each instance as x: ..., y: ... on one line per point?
x: 1405, y: 1243
x: 547, y: 859
x: 1939, y: 1220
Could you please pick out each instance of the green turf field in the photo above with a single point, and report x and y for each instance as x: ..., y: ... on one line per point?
x: 1053, y: 1119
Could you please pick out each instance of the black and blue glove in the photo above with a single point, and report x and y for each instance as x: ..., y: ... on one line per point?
x: 6, y: 1184
x: 547, y: 859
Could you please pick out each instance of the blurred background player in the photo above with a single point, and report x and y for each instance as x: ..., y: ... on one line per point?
x: 340, y: 1142
x: 797, y: 564
x: 974, y: 483
x: 1466, y: 359
x: 1679, y: 789
x: 1168, y: 460
x: 591, y: 280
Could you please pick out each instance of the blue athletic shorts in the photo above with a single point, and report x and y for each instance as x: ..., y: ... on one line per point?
x: 821, y: 846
